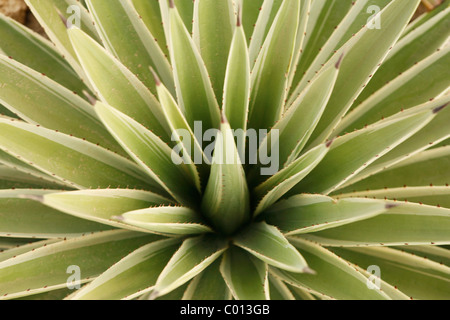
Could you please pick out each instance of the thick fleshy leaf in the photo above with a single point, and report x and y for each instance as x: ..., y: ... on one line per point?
x: 194, y: 256
x: 24, y: 218
x: 114, y: 22
x: 405, y: 224
x: 433, y: 253
x: 279, y: 290
x: 269, y: 80
x: 74, y: 161
x: 166, y: 220
x: 208, y: 285
x: 52, y: 267
x: 335, y: 278
x: 268, y: 244
x: 311, y: 213
x: 250, y: 12
x: 194, y: 91
x: 134, y: 273
x: 11, y: 178
x: 245, y: 275
x: 212, y: 33
x: 16, y: 251
x: 155, y: 157
x: 431, y: 279
x: 226, y: 202
x: 117, y: 85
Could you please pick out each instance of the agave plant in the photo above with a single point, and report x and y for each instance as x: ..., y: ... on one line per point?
x: 335, y: 188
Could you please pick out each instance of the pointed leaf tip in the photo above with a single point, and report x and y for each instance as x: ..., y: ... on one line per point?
x: 33, y: 197
x: 438, y: 109
x: 63, y: 19
x: 155, y: 76
x: 239, y: 16
x: 118, y: 218
x: 391, y: 206
x: 329, y: 143
x: 338, y: 63
x: 308, y: 270
x: 171, y: 4
x: 90, y: 98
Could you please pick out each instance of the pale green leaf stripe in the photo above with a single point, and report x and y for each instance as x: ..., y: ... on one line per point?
x: 212, y: 33
x: 335, y: 278
x: 118, y: 86
x: 11, y: 178
x: 45, y: 268
x: 431, y: 280
x: 236, y: 91
x: 36, y: 52
x: 312, y: 213
x: 367, y: 49
x: 151, y: 153
x: 102, y: 205
x: 194, y: 91
x: 194, y: 256
x: 408, y: 223
x: 407, y: 90
x: 134, y: 273
x: 208, y: 285
x: 285, y: 180
x: 245, y: 275
x: 268, y: 244
x: 304, y: 294
x: 269, y: 80
x: 113, y: 22
x: 353, y: 152
x: 14, y: 252
x: 50, y: 104
x: 74, y: 161
x: 432, y: 164
x: 24, y: 218
x: 226, y: 201
x: 166, y: 220
x: 432, y: 134
x: 425, y: 17
x: 433, y: 253
x: 250, y: 12
x: 279, y: 290
x: 7, y: 243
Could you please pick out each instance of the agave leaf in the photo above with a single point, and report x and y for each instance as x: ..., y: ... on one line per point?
x: 425, y: 17
x: 24, y: 218
x: 245, y: 275
x: 226, y: 202
x: 194, y: 91
x: 279, y: 290
x: 194, y: 256
x: 268, y: 244
x: 431, y: 280
x: 367, y: 49
x: 9, y: 243
x: 333, y: 275
x: 36, y: 52
x: 102, y: 205
x: 419, y: 84
x: 281, y: 183
x: 237, y: 85
x: 74, y: 161
x: 269, y: 80
x: 208, y: 285
x: 312, y: 213
x: 166, y: 220
x: 250, y: 12
x: 114, y: 22
x: 14, y: 252
x: 353, y: 152
x: 408, y: 223
x: 29, y: 273
x: 117, y: 86
x: 433, y: 253
x: 11, y: 178
x: 54, y: 295
x: 137, y: 271
x: 212, y: 33
x: 50, y: 105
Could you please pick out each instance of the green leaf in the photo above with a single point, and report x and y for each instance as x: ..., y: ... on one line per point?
x: 212, y: 32
x: 431, y: 280
x: 433, y: 253
x: 74, y: 161
x: 250, y: 12
x: 114, y: 22
x: 245, y: 275
x: 47, y: 268
x: 134, y: 273
x: 353, y: 152
x: 335, y: 278
x: 312, y: 213
x: 16, y: 251
x: 11, y: 178
x: 268, y: 244
x: 144, y: 147
x: 226, y: 202
x: 194, y: 256
x: 208, y: 285
x: 102, y: 205
x: 24, y: 218
x: 279, y: 290
x: 166, y: 220
x: 269, y: 79
x: 406, y: 224
x: 117, y: 86
x: 194, y: 91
